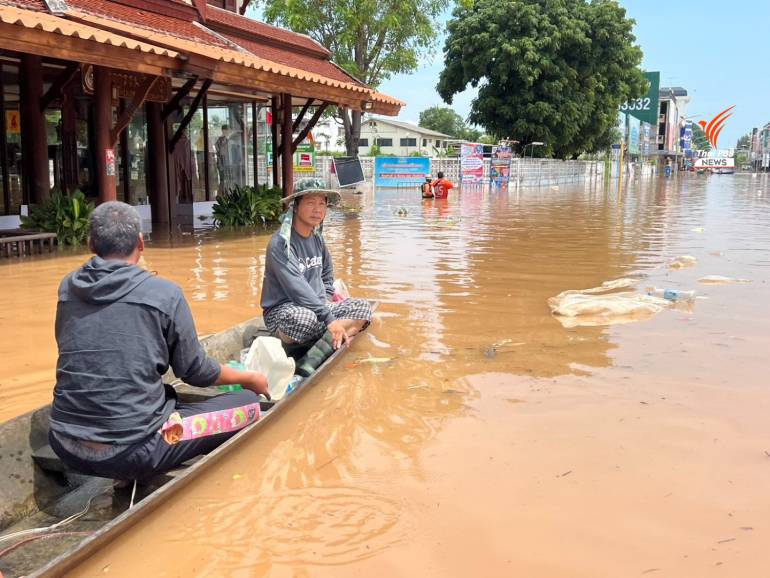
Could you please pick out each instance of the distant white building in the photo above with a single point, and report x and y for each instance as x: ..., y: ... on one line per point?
x: 400, y: 138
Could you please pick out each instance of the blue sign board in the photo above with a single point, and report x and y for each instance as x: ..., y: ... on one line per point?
x: 400, y: 171
x: 685, y: 138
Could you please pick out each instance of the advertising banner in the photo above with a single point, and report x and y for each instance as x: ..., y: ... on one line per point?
x: 633, y: 137
x: 400, y: 171
x: 472, y: 164
x: 304, y: 159
x: 685, y: 138
x: 500, y: 165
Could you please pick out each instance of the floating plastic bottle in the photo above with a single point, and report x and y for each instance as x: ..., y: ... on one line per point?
x: 671, y: 294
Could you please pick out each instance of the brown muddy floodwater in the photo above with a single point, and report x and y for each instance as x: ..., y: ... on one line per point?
x: 496, y: 442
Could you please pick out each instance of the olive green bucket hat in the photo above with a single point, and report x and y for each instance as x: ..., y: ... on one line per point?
x: 311, y: 186
x: 305, y: 186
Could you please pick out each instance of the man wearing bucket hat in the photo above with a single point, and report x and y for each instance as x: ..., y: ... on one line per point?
x: 297, y: 290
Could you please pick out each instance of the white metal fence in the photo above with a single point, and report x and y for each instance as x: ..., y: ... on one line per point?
x: 525, y: 172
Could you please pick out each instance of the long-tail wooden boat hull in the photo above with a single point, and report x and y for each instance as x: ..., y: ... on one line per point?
x: 32, y: 495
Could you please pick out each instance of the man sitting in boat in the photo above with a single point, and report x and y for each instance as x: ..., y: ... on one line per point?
x: 119, y: 328
x: 298, y: 298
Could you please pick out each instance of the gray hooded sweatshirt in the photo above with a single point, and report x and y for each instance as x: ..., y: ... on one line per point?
x: 118, y: 328
x: 302, y: 275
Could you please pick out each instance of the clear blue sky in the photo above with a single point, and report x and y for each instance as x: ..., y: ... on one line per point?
x: 717, y: 50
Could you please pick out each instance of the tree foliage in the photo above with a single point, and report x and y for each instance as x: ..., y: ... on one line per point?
x: 700, y: 141
x: 744, y: 142
x: 554, y: 71
x: 370, y: 39
x: 444, y: 119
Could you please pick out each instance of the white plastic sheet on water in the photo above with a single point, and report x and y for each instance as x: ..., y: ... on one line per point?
x: 720, y: 280
x: 608, y: 304
x: 682, y: 261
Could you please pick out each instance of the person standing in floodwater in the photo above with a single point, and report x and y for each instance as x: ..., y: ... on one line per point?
x: 427, y: 188
x: 441, y: 186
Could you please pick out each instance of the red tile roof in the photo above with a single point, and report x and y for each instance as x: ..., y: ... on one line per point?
x: 53, y: 24
x: 36, y: 5
x: 146, y: 19
x: 294, y: 59
x: 261, y: 31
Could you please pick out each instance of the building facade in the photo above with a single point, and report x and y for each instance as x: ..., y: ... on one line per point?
x: 400, y: 138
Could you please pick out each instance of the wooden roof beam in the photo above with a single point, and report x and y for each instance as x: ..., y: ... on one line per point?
x: 190, y: 113
x: 173, y: 104
x: 138, y: 99
x: 55, y: 90
x: 42, y: 43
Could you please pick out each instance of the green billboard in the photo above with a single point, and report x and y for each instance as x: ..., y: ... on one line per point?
x: 646, y: 107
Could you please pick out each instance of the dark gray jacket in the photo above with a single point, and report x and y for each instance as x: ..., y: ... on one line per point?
x: 118, y: 328
x: 302, y: 275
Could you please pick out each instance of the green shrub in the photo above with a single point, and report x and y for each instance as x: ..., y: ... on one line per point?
x: 248, y: 206
x: 65, y: 215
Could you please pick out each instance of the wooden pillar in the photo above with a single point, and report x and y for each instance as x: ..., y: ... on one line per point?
x: 158, y: 168
x: 4, y: 148
x: 34, y: 140
x: 274, y: 135
x: 69, y: 139
x: 106, y: 162
x: 287, y: 162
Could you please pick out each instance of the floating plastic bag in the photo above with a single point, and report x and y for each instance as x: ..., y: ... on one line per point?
x: 682, y: 261
x: 267, y: 356
x: 340, y: 291
x: 605, y: 305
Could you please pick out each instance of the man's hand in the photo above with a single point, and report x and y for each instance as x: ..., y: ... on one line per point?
x: 339, y: 334
x: 251, y: 380
x: 256, y: 382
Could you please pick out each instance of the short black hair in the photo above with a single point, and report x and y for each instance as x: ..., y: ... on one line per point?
x: 441, y: 174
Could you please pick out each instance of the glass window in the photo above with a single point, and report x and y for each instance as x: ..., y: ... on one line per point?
x: 384, y: 142
x: 137, y: 157
x: 10, y: 88
x: 198, y: 169
x: 408, y: 142
x: 424, y: 142
x: 363, y: 142
x: 228, y: 145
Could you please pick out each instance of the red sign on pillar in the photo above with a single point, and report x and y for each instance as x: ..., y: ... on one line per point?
x: 109, y: 162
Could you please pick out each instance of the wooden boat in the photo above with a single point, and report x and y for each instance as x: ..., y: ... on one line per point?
x: 37, y: 491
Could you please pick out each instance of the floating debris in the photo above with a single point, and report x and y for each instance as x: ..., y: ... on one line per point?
x: 720, y: 280
x: 682, y: 262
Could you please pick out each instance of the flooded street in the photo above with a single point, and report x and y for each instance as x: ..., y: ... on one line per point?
x: 492, y: 441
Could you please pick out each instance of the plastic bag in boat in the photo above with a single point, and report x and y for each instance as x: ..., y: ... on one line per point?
x: 608, y: 304
x: 266, y: 355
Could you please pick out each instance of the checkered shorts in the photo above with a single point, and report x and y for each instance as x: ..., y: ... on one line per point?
x: 302, y: 325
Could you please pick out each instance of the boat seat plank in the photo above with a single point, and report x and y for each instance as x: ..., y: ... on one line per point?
x: 47, y: 459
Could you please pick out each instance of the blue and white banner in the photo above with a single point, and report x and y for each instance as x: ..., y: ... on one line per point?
x: 400, y: 171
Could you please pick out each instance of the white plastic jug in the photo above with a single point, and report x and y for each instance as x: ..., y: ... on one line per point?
x: 267, y: 356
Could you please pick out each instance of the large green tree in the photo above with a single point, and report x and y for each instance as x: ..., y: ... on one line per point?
x: 370, y: 39
x: 444, y: 119
x: 553, y: 71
